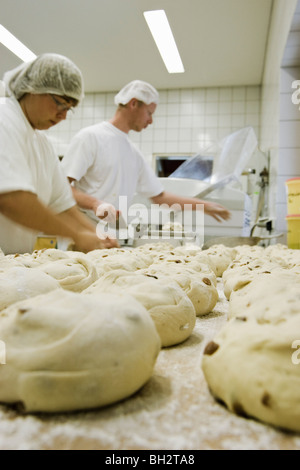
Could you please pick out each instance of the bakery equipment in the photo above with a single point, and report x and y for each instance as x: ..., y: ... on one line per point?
x: 237, y: 241
x: 233, y: 199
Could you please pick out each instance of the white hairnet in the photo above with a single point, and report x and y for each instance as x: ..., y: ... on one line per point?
x: 48, y: 73
x: 139, y: 90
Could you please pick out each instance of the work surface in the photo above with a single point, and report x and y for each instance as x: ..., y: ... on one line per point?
x: 173, y: 411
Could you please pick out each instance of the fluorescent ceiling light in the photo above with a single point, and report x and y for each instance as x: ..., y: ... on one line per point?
x: 162, y: 34
x: 15, y: 46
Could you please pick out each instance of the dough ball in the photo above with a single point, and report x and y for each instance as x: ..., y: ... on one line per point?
x: 74, y: 274
x: 38, y: 257
x: 19, y: 283
x: 243, y: 271
x: 71, y: 351
x: 168, y: 305
x: 269, y: 298
x: 220, y: 257
x: 249, y: 367
x: 116, y: 258
x: 182, y: 261
x: 199, y: 288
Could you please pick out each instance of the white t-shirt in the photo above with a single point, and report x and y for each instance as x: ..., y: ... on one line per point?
x: 106, y: 165
x: 28, y: 163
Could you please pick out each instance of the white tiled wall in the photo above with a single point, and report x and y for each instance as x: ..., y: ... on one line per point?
x: 289, y: 141
x: 186, y: 120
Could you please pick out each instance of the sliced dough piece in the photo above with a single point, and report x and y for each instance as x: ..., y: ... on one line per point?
x: 19, y: 283
x: 168, y: 305
x: 73, y: 351
x: 249, y: 368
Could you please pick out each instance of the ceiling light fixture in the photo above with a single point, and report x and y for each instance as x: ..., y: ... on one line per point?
x: 162, y: 34
x: 15, y: 46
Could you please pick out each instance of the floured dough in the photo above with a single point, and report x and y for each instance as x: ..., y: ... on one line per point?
x: 72, y: 351
x: 108, y: 260
x: 220, y: 257
x: 199, y: 288
x: 167, y: 304
x: 35, y: 259
x: 243, y: 271
x: 19, y: 283
x: 269, y: 298
x: 74, y: 274
x: 249, y: 367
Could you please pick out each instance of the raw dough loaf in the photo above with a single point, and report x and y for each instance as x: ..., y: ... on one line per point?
x: 199, y: 288
x: 249, y: 367
x: 269, y: 298
x: 167, y: 304
x: 19, y: 283
x: 74, y: 274
x: 220, y: 257
x: 171, y: 259
x: 72, y: 351
x: 38, y: 257
x: 116, y: 258
x: 243, y: 271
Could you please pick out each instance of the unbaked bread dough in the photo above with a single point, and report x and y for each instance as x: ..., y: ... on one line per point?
x: 74, y: 274
x: 72, y: 351
x: 38, y: 257
x: 199, y: 288
x: 108, y: 260
x: 249, y: 367
x: 269, y: 298
x: 241, y: 272
x: 168, y: 305
x: 220, y: 257
x: 19, y: 283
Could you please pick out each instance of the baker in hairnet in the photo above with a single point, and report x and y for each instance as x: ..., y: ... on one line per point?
x: 35, y: 195
x: 102, y: 164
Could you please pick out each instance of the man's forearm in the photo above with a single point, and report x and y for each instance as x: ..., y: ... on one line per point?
x: 77, y: 219
x: 25, y: 209
x: 172, y: 199
x: 85, y: 201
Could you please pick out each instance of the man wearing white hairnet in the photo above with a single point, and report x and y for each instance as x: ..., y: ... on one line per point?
x: 102, y: 164
x: 35, y: 195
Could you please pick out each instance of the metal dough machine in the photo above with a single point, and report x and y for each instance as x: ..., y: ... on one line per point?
x: 149, y: 229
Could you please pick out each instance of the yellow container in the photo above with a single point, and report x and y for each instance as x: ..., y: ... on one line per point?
x: 44, y: 242
x: 293, y: 236
x: 293, y: 196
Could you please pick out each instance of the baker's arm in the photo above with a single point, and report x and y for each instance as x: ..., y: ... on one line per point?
x: 100, y: 208
x: 26, y: 209
x: 215, y: 210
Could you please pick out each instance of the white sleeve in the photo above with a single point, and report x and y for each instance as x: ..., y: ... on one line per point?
x: 15, y: 174
x: 61, y: 197
x: 80, y: 156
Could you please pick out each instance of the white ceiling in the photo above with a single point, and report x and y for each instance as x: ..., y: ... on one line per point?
x: 221, y: 42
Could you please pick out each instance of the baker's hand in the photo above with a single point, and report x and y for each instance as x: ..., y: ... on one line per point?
x: 107, y: 213
x: 216, y: 211
x: 88, y: 241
